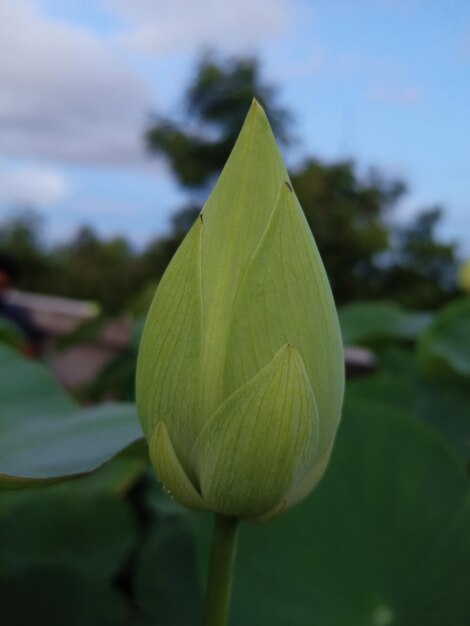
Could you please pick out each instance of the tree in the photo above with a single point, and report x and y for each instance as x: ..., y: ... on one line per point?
x: 97, y: 269
x: 422, y: 270
x: 21, y: 238
x: 345, y: 214
x: 215, y: 105
x: 365, y: 254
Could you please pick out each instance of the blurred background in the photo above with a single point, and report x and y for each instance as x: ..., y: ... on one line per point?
x: 116, y: 118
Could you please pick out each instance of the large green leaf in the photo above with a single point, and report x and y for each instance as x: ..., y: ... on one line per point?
x: 117, y: 476
x: 89, y: 532
x: 50, y: 595
x: 167, y: 588
x: 384, y: 540
x: 28, y: 388
x: 43, y: 435
x: 367, y: 323
x: 442, y: 402
x: 446, y: 406
x: 79, y: 442
x: 446, y: 343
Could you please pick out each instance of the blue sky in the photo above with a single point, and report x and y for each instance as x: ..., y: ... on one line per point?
x: 385, y: 82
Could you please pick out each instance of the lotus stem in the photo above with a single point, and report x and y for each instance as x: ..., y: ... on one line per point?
x: 219, y: 584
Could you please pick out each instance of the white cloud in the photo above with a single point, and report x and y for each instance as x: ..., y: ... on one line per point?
x: 64, y: 93
x: 162, y: 27
x: 68, y: 92
x: 31, y: 186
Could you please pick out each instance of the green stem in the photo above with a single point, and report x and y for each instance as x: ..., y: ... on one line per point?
x: 219, y: 583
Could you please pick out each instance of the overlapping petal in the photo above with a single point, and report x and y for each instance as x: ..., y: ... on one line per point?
x: 259, y: 440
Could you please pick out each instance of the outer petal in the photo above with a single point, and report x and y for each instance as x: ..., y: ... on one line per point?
x: 235, y: 217
x: 170, y: 472
x: 259, y: 441
x: 305, y: 485
x: 300, y: 490
x: 169, y: 366
x: 285, y: 298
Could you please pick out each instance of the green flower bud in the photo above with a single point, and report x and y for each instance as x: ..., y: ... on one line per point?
x: 463, y: 276
x: 240, y: 374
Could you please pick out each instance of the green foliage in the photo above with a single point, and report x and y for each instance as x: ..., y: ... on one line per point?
x: 10, y: 334
x: 422, y: 270
x: 446, y: 344
x: 70, y: 530
x: 63, y: 547
x: 86, y: 266
x: 384, y: 537
x: 345, y: 215
x: 430, y: 382
x: 28, y: 387
x: 97, y: 269
x: 166, y: 565
x: 365, y: 254
x: 43, y: 435
x: 52, y: 596
x: 21, y: 238
x: 442, y: 401
x: 370, y: 323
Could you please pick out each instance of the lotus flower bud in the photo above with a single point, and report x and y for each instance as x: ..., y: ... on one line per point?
x: 463, y: 276
x: 240, y: 372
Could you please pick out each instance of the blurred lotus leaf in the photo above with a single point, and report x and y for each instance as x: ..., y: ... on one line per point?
x: 369, y: 323
x: 445, y: 346
x: 44, y: 436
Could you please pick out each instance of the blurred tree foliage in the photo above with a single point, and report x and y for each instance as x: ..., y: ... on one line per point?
x: 215, y: 105
x: 21, y: 238
x: 345, y: 214
x: 367, y: 253
x: 86, y: 266
x: 102, y: 270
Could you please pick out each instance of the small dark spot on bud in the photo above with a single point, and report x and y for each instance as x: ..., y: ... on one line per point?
x: 288, y: 185
x: 200, y: 217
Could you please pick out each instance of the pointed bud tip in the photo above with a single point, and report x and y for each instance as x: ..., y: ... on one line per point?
x: 256, y: 110
x: 288, y: 351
